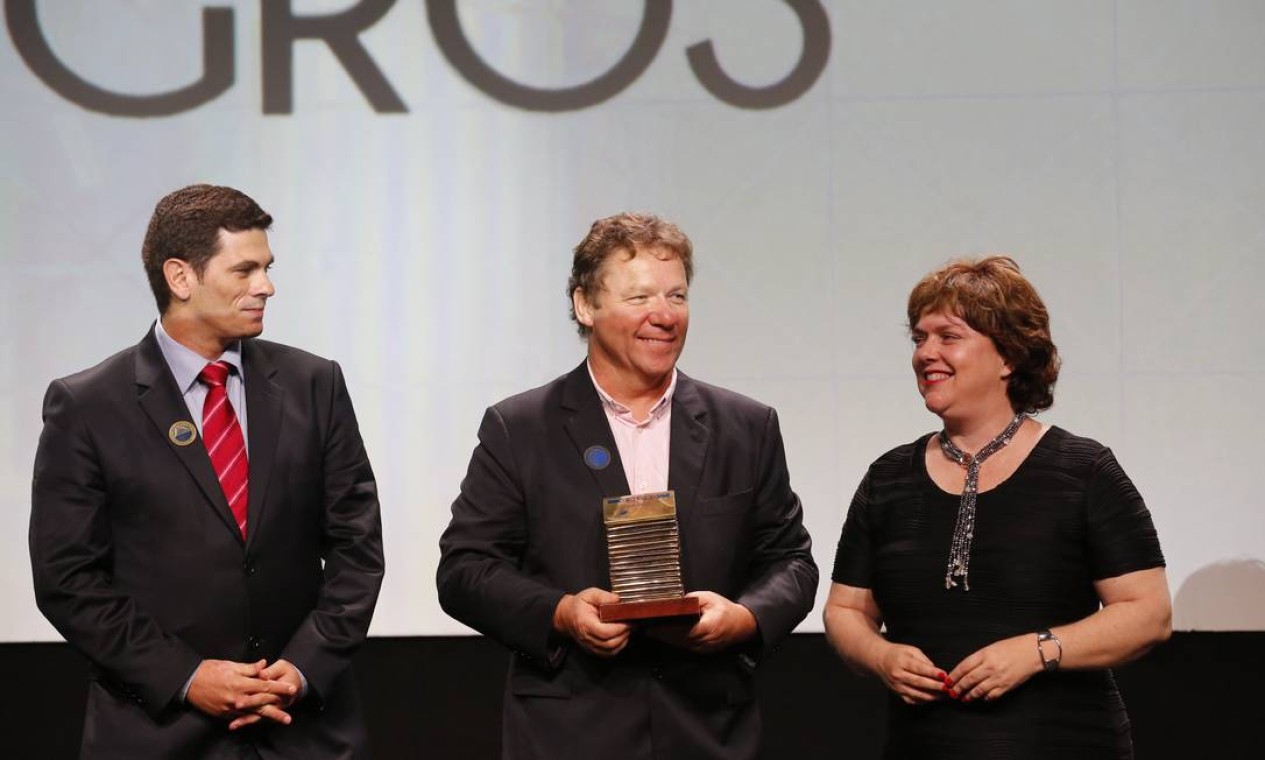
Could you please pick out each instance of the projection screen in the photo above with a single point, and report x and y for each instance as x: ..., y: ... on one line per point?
x: 430, y: 165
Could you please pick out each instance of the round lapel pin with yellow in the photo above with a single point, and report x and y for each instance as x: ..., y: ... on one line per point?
x: 182, y: 433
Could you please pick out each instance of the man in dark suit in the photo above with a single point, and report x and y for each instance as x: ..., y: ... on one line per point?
x: 204, y: 519
x: 524, y: 558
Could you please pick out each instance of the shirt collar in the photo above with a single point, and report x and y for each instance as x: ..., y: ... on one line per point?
x: 186, y: 364
x: 608, y: 401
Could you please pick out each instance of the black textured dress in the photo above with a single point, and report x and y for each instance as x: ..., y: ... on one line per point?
x: 1068, y: 516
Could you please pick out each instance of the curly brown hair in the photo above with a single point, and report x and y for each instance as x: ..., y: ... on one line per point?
x: 994, y: 298
x: 186, y: 225
x: 630, y: 233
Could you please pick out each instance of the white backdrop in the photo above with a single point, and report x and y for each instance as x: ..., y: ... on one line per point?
x: 1113, y: 148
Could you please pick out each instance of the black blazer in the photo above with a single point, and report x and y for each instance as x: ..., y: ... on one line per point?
x: 138, y: 564
x: 527, y: 528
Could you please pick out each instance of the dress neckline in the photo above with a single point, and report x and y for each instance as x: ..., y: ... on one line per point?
x: 920, y: 464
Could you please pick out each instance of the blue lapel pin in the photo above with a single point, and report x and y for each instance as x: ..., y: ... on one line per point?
x: 597, y: 457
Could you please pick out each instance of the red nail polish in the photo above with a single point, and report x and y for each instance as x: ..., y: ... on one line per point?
x: 953, y: 694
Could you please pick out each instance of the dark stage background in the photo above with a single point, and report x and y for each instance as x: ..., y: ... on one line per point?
x: 1200, y: 695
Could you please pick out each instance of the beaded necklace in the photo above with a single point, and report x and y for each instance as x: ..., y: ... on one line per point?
x: 964, y: 530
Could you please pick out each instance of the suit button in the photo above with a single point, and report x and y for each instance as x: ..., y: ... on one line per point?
x: 254, y: 643
x: 248, y: 568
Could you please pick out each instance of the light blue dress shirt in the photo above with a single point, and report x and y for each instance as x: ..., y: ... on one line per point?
x: 186, y: 364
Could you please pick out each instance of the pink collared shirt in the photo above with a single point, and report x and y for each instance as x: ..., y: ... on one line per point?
x: 643, y: 446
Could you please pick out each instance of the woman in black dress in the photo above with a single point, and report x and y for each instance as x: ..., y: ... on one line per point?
x: 991, y: 573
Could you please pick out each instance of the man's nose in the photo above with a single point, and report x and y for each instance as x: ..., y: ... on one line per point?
x: 664, y: 314
x: 265, y: 287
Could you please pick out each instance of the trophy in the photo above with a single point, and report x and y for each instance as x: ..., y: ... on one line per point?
x: 644, y: 549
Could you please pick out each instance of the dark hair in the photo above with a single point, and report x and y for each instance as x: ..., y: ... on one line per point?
x: 994, y: 298
x: 631, y: 233
x: 186, y: 225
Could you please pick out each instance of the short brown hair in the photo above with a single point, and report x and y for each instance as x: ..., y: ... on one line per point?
x: 994, y: 298
x: 628, y: 232
x: 186, y: 225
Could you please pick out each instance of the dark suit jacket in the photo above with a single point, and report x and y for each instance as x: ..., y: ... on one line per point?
x: 138, y: 564
x: 527, y: 528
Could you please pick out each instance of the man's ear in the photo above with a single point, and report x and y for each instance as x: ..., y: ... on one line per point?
x: 583, y: 309
x: 180, y: 278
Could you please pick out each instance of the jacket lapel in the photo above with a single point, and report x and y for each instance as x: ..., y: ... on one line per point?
x: 690, y: 439
x: 263, y: 417
x: 587, y: 426
x: 161, y: 400
x: 590, y: 431
x: 687, y: 454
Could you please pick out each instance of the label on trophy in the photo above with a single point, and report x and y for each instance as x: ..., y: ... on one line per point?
x: 643, y: 546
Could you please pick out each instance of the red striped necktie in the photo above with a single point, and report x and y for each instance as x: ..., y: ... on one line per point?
x: 222, y: 435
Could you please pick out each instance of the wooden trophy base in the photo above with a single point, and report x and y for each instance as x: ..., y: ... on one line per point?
x: 656, y: 608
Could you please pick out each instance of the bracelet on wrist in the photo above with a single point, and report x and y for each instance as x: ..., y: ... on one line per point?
x: 1049, y: 664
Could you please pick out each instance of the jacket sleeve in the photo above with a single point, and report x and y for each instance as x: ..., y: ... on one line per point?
x: 782, y: 583
x: 322, y: 646
x: 479, y: 577
x: 72, y: 548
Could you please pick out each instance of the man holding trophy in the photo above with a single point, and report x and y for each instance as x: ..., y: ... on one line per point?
x: 626, y: 474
